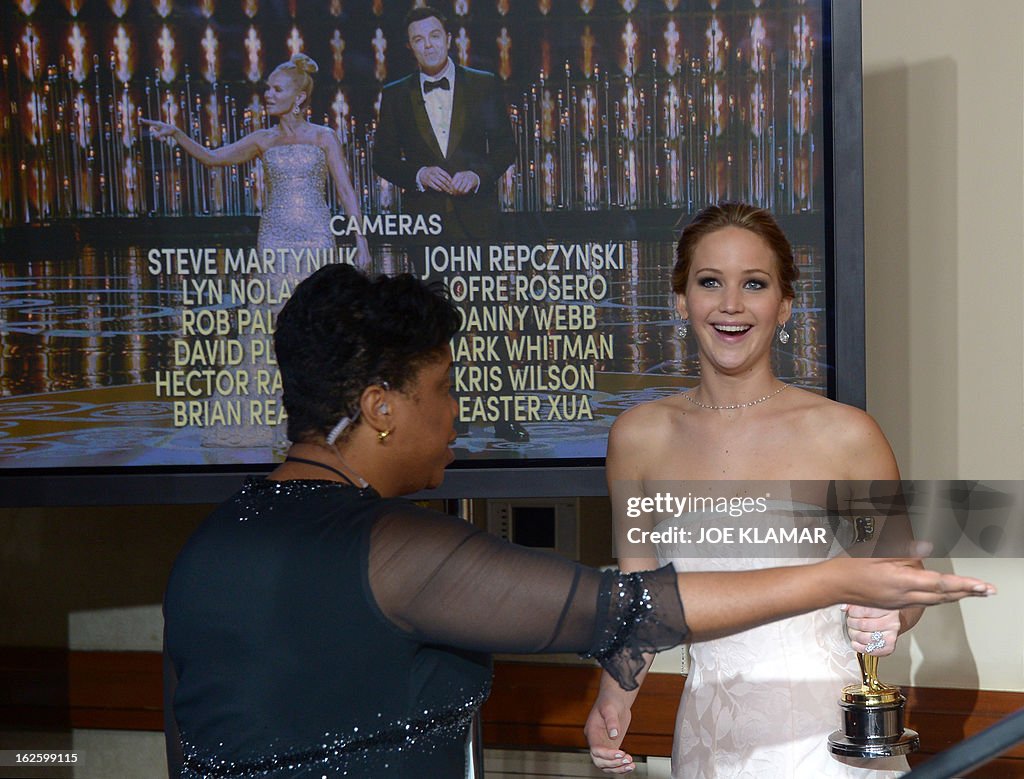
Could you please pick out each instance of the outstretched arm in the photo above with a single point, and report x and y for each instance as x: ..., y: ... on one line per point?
x: 755, y: 598
x: 235, y: 153
x: 447, y: 582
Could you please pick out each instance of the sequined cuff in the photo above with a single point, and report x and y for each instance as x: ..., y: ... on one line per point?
x: 638, y: 613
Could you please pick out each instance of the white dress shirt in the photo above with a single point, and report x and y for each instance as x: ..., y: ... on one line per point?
x: 439, y: 105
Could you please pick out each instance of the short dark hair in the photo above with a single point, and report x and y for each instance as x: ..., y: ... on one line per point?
x: 342, y: 331
x: 759, y: 221
x: 421, y: 13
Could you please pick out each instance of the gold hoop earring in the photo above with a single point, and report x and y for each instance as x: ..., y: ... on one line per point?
x: 382, y: 436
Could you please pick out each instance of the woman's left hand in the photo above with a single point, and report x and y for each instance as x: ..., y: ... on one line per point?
x: 363, y: 247
x: 872, y: 631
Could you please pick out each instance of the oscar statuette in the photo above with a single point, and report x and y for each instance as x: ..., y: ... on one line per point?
x: 872, y: 717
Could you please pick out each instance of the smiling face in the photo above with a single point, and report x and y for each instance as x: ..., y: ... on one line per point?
x: 733, y: 300
x: 429, y: 43
x: 282, y: 94
x: 424, y: 416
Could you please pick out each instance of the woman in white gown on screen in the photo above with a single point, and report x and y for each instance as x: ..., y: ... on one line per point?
x: 297, y: 157
x: 761, y: 704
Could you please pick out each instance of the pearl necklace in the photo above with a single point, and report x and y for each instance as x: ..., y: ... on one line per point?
x: 769, y: 396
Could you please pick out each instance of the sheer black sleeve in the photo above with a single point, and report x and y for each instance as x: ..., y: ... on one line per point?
x: 444, y: 581
x: 175, y: 759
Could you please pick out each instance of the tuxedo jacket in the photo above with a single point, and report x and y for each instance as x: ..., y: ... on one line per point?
x: 480, y: 140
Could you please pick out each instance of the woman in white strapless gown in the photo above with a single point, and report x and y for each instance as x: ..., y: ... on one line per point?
x: 295, y: 213
x: 295, y: 219
x: 297, y: 157
x: 761, y: 704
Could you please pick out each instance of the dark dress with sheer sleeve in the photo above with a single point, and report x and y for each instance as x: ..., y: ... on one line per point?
x: 313, y: 629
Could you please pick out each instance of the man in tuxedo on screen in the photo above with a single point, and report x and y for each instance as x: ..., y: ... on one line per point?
x: 445, y: 138
x: 444, y: 135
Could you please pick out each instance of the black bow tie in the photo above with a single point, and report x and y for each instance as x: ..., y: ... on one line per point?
x: 441, y: 83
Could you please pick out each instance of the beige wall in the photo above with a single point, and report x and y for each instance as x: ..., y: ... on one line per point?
x: 944, y: 208
x: 944, y: 224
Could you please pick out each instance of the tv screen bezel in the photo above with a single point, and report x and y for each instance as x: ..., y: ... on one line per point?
x: 844, y: 235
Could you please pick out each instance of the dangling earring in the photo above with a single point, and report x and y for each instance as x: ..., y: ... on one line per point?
x: 783, y: 335
x: 296, y: 110
x: 683, y: 329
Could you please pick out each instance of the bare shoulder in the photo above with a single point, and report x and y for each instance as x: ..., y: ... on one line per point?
x: 637, y: 439
x: 839, y: 417
x: 324, y: 137
x: 847, y: 429
x: 263, y: 139
x: 324, y: 133
x: 641, y: 422
x: 645, y: 432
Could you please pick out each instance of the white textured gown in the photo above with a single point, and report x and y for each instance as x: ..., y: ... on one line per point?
x: 762, y: 703
x: 295, y: 218
x: 295, y: 213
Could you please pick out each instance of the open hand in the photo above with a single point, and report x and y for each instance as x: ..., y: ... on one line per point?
x: 897, y: 583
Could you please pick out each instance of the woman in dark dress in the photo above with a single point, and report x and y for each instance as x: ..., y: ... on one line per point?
x: 318, y: 625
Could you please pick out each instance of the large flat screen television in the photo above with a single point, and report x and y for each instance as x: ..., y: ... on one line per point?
x: 137, y: 297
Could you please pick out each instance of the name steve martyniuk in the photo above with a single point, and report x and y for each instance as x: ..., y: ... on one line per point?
x: 666, y: 504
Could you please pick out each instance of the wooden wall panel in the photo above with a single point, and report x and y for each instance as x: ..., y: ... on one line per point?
x: 532, y: 705
x: 536, y: 705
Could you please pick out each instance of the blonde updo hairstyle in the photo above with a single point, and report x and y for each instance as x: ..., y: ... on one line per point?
x: 300, y: 68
